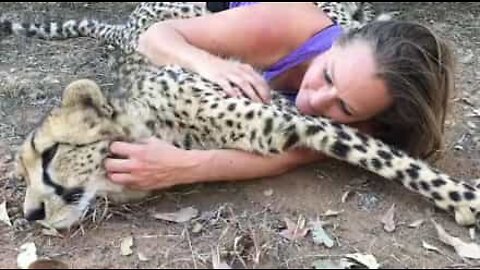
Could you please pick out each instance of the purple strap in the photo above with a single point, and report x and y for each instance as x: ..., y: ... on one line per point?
x: 316, y: 45
x: 239, y: 4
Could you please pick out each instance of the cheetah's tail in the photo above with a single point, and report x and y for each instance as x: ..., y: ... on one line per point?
x: 110, y: 34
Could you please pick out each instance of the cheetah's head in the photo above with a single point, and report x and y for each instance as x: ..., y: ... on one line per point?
x: 61, y: 160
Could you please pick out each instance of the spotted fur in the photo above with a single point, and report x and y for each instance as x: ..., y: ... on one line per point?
x: 61, y: 159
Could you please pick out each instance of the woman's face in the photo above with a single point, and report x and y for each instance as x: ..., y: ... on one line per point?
x: 341, y: 84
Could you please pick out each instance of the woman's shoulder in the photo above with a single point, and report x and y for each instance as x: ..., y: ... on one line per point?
x: 259, y: 34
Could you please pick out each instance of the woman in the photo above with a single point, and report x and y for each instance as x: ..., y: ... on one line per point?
x: 391, y: 79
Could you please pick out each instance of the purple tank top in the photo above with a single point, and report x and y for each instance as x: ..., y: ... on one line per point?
x: 317, y: 44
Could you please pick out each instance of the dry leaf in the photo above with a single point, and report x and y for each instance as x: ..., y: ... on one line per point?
x: 468, y: 58
x: 471, y: 125
x: 388, y: 220
x: 476, y: 112
x: 268, y: 192
x: 416, y: 223
x: 294, y: 231
x: 328, y: 264
x: 345, y: 196
x: 197, y: 227
x: 27, y: 255
x: 343, y: 263
x: 331, y: 213
x: 427, y: 246
x: 471, y: 232
x: 470, y: 250
x: 183, y: 215
x: 142, y: 257
x: 217, y: 263
x: 366, y: 260
x: 4, y: 214
x: 126, y: 246
x: 320, y: 236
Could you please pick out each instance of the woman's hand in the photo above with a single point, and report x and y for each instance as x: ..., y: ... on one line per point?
x: 148, y: 165
x: 164, y: 44
x: 227, y: 73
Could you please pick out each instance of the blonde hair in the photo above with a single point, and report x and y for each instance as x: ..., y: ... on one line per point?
x: 418, y: 69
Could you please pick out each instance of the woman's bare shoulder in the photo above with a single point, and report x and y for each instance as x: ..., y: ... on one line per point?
x: 259, y: 34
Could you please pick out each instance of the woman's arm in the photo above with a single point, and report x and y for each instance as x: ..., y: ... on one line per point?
x: 259, y: 35
x: 231, y: 165
x: 156, y: 164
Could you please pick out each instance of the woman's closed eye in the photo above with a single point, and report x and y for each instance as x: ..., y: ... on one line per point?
x: 345, y: 108
x: 327, y: 77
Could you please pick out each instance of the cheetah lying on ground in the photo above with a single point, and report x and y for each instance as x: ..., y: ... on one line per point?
x: 61, y: 159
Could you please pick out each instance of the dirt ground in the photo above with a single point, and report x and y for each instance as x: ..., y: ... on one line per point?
x: 241, y: 220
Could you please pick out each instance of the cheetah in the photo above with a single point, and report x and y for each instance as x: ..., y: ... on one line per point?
x: 61, y: 159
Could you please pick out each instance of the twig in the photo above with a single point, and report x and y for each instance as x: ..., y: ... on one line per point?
x: 191, y: 248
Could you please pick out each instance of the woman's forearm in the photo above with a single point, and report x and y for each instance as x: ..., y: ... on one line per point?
x: 231, y: 165
x: 155, y: 164
x: 162, y: 44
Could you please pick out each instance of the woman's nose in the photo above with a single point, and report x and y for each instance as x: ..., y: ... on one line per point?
x: 322, y: 100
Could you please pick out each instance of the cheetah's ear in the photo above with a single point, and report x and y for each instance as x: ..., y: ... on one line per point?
x: 87, y: 94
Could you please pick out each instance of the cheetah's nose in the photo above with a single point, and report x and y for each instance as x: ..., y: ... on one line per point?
x: 37, y: 214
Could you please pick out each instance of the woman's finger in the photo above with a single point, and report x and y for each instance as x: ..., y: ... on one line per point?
x: 122, y: 178
x: 245, y: 87
x: 258, y: 82
x: 118, y: 165
x: 125, y: 149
